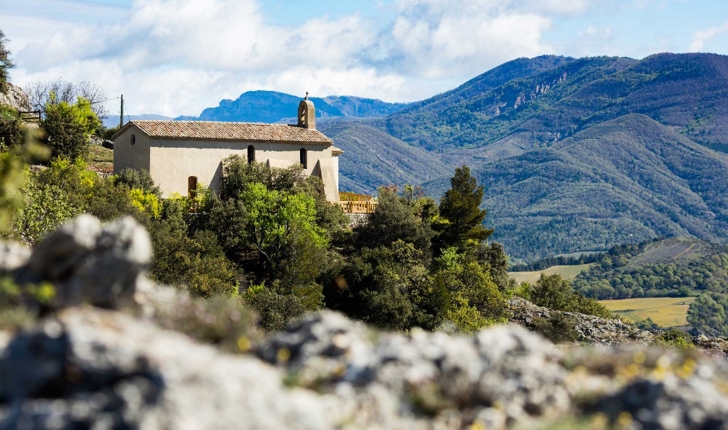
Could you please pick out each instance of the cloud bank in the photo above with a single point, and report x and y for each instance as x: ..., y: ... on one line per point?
x: 177, y: 57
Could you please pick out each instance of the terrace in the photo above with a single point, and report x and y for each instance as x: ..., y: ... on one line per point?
x: 353, y: 203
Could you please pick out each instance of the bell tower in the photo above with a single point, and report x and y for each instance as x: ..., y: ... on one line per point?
x: 307, y: 114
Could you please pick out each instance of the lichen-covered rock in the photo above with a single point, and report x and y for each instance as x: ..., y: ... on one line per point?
x: 91, y: 263
x: 501, y: 376
x: 101, y: 369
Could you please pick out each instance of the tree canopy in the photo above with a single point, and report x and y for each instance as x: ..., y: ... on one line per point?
x: 5, y: 62
x: 460, y: 212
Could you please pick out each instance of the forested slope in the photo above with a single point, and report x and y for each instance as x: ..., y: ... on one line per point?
x: 373, y: 158
x: 626, y: 180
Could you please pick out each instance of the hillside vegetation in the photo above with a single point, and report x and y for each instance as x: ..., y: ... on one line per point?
x: 373, y: 158
x: 627, y: 180
x: 671, y: 267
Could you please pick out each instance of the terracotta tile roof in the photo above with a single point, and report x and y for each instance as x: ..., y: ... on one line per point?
x: 336, y: 151
x: 228, y: 131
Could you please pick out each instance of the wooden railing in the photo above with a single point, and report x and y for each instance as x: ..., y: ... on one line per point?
x: 33, y: 116
x: 351, y: 207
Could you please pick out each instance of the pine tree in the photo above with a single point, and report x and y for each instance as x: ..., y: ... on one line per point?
x: 5, y: 63
x: 462, y: 218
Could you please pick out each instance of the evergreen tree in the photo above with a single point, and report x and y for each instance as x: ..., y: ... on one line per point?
x: 462, y: 218
x: 5, y: 63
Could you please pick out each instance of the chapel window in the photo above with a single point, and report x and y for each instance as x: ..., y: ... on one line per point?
x: 304, y: 158
x: 251, y: 154
x: 192, y: 187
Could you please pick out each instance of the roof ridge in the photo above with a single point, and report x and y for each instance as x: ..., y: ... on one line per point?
x: 185, y: 121
x: 226, y: 131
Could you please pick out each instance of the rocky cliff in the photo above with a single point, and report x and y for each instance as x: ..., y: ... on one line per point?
x: 101, y: 357
x: 15, y: 98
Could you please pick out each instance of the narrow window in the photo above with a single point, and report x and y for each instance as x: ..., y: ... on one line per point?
x: 192, y: 187
x: 304, y: 158
x: 251, y: 154
x: 133, y: 139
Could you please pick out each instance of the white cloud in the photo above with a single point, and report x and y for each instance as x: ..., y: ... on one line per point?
x: 178, y: 56
x: 702, y: 36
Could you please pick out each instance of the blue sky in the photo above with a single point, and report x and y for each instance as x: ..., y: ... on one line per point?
x: 176, y: 57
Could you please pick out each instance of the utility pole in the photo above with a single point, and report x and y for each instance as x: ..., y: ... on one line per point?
x: 121, y: 117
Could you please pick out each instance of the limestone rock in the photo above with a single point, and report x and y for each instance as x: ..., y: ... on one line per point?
x: 103, y: 369
x: 15, y: 98
x: 91, y: 263
x: 501, y: 376
x: 13, y: 256
x: 591, y: 329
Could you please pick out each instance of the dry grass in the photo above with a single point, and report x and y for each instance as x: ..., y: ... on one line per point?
x: 664, y: 311
x: 566, y: 272
x: 100, y: 159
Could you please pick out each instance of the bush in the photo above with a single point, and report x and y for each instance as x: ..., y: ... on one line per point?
x: 476, y: 300
x: 709, y: 314
x: 393, y: 220
x: 648, y: 325
x: 197, y: 263
x: 675, y: 338
x: 276, y: 309
x: 555, y: 293
x: 68, y: 127
x: 46, y: 208
x: 558, y: 328
x: 11, y: 128
x: 390, y: 288
x: 137, y: 179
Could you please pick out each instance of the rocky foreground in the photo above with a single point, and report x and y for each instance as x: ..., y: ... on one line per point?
x: 101, y: 358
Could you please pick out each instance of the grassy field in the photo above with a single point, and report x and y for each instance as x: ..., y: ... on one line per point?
x: 664, y: 311
x: 100, y: 159
x: 566, y: 272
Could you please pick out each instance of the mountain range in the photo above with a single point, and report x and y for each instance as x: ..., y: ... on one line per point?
x: 576, y: 154
x: 271, y: 107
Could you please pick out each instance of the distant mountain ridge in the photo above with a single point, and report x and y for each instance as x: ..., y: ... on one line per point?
x: 687, y: 91
x: 271, y: 107
x: 113, y: 121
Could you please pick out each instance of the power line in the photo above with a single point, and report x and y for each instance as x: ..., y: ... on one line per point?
x: 104, y: 101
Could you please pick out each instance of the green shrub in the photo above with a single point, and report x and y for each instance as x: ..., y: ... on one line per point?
x: 47, y: 207
x: 675, y: 338
x: 389, y: 287
x: 137, y: 179
x: 555, y: 293
x: 68, y: 127
x: 709, y: 314
x: 276, y: 309
x: 558, y: 328
x: 11, y: 128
